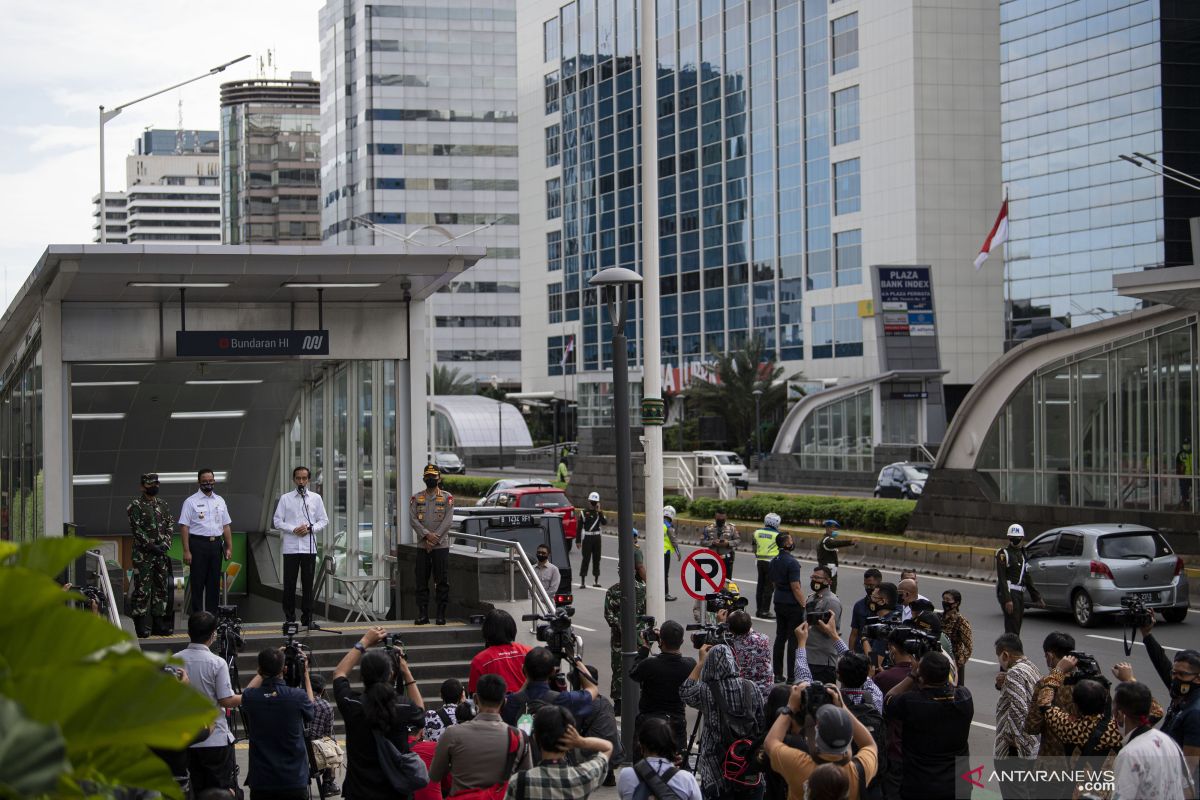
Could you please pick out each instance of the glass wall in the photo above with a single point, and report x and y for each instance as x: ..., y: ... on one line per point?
x: 22, y: 492
x: 838, y: 436
x: 1110, y: 428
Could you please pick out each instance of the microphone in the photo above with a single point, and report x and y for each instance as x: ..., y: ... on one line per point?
x: 300, y: 490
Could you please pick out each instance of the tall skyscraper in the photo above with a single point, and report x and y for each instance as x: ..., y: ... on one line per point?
x: 270, y: 160
x: 1082, y: 84
x: 173, y: 195
x: 801, y: 143
x: 419, y: 137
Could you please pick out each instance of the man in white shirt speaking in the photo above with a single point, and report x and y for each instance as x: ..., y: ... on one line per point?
x: 204, y: 526
x: 299, y: 517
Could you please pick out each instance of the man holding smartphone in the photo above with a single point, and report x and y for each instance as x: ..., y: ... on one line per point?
x: 825, y: 606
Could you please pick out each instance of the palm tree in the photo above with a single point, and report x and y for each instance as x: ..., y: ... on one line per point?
x: 736, y: 376
x: 451, y: 380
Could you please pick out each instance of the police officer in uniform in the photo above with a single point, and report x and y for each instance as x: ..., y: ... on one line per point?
x: 432, y: 513
x: 668, y: 549
x: 765, y: 549
x: 722, y: 538
x: 1184, y: 467
x: 827, y: 555
x: 612, y: 615
x: 1013, y: 579
x: 589, y: 539
x: 152, y: 525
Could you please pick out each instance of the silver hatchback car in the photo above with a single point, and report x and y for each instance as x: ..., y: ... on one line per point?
x: 1088, y: 569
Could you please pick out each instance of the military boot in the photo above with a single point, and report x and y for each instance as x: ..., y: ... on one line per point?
x: 141, y: 628
x: 422, y: 615
x: 441, y: 614
x: 162, y: 626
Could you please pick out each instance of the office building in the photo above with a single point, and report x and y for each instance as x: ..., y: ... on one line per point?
x: 270, y: 160
x: 419, y: 139
x: 170, y: 197
x: 156, y: 142
x: 802, y: 144
x: 1082, y: 84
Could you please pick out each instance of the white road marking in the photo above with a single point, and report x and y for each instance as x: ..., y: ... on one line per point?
x: 1139, y: 644
x: 981, y: 661
x: 583, y: 627
x: 984, y: 725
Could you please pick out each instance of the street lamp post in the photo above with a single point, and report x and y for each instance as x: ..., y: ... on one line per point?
x: 106, y: 115
x: 757, y: 426
x: 616, y: 284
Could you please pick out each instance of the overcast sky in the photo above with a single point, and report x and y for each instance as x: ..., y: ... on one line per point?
x: 61, y: 60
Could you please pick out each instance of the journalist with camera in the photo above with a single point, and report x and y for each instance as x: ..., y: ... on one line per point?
x: 541, y: 667
x: 211, y: 762
x: 278, y: 714
x: 851, y: 673
x: 612, y: 616
x: 660, y: 677
x: 885, y: 615
x: 1182, y: 679
x: 823, y: 605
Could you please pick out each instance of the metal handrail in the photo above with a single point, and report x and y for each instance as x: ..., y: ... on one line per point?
x: 106, y: 585
x: 516, y: 557
x: 675, y: 466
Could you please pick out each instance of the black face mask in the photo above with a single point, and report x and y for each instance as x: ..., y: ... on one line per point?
x: 787, y: 548
x: 207, y: 487
x: 543, y: 556
x: 431, y: 482
x: 720, y: 524
x: 946, y: 607
x: 868, y: 589
x: 1179, y: 688
x: 816, y: 587
x: 150, y: 490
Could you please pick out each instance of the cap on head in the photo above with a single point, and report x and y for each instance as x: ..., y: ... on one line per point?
x: 594, y: 497
x: 669, y: 512
x: 149, y: 478
x: 772, y: 520
x: 431, y: 469
x: 1015, y: 531
x: 832, y: 523
x: 834, y: 730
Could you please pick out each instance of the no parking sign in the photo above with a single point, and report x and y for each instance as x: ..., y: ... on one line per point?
x: 703, y: 572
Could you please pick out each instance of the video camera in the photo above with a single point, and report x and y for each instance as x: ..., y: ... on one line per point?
x: 1086, y: 669
x: 229, y: 631
x: 724, y: 600
x: 646, y: 632
x: 711, y: 635
x: 556, y: 631
x: 918, y: 642
x: 880, y: 627
x: 293, y: 652
x: 93, y: 594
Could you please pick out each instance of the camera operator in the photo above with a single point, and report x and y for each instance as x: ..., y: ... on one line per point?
x: 277, y: 714
x: 863, y: 608
x: 660, y: 677
x: 785, y: 575
x: 1055, y: 648
x: 885, y: 601
x: 1090, y: 729
x: 211, y: 762
x: 1182, y: 677
x: 540, y: 666
x: 935, y: 724
x: 377, y: 708
x: 851, y: 672
x: 836, y: 729
x: 823, y: 604
x: 751, y: 650
x: 1150, y: 764
x: 901, y: 661
x: 612, y: 615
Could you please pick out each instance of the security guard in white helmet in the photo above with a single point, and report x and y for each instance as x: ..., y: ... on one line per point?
x: 1013, y: 580
x: 765, y: 549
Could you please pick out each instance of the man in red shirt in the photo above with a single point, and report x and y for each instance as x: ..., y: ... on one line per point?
x: 502, y: 654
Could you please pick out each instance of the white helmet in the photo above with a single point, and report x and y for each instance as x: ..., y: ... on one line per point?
x: 1015, y: 531
x: 594, y: 497
x: 669, y: 512
x: 772, y: 520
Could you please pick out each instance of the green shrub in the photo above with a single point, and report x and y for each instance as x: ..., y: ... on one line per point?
x: 679, y: 501
x: 467, y: 486
x: 870, y: 515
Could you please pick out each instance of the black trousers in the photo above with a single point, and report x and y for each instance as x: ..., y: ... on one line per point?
x: 667, y: 572
x: 206, y: 572
x: 434, y: 562
x: 212, y: 768
x: 591, y: 553
x: 728, y: 559
x: 787, y: 617
x: 303, y: 564
x: 763, y: 595
x: 1012, y: 622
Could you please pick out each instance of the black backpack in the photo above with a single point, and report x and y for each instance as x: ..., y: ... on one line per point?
x: 531, y: 707
x: 739, y: 734
x: 872, y: 720
x: 652, y: 784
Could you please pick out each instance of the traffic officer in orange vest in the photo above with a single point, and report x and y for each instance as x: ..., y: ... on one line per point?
x: 432, y: 513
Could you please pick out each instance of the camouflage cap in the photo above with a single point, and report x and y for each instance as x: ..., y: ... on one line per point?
x: 149, y: 477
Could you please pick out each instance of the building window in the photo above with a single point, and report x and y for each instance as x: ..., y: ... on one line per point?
x: 846, y: 188
x: 552, y: 145
x: 847, y: 252
x: 553, y: 251
x: 552, y: 92
x: 845, y: 115
x: 550, y: 40
x: 845, y: 43
x: 554, y: 198
x: 837, y: 331
x: 838, y: 436
x: 554, y: 302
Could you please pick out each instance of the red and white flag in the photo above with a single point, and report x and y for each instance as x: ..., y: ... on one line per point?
x: 567, y: 351
x: 996, y: 237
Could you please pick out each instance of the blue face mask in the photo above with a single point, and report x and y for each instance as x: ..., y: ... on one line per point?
x: 834, y: 534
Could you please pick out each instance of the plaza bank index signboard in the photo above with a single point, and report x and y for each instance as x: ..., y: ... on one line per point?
x: 907, y: 326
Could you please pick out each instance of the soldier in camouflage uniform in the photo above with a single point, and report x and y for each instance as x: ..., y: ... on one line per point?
x: 612, y: 615
x: 151, y: 523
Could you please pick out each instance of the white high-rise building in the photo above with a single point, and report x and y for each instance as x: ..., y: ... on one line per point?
x: 419, y: 139
x: 170, y: 197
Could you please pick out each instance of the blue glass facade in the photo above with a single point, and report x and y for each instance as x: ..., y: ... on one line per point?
x: 1082, y: 83
x: 743, y: 123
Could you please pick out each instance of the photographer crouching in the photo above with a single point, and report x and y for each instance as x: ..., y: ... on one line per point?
x: 278, y: 714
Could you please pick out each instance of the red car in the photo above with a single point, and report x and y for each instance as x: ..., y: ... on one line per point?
x: 545, y: 498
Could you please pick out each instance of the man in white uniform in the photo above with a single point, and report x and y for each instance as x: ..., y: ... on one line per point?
x: 299, y: 517
x: 204, y: 526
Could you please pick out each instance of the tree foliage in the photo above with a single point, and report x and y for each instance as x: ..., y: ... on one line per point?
x: 451, y: 380
x: 738, y: 374
x: 80, y: 705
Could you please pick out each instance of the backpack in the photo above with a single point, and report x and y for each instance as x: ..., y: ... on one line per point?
x: 531, y: 707
x: 872, y: 720
x: 652, y: 784
x: 516, y: 742
x: 738, y: 736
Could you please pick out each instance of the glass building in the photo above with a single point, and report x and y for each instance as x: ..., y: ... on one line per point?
x: 1082, y: 83
x: 22, y: 483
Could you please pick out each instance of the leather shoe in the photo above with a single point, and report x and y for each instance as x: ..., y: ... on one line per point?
x: 765, y: 615
x: 422, y: 620
x: 671, y: 597
x: 313, y: 626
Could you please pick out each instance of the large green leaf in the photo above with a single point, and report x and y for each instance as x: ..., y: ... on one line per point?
x: 51, y: 555
x: 6, y: 550
x: 32, y: 755
x: 127, y: 767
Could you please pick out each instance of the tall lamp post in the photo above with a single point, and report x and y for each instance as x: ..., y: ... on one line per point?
x: 616, y: 285
x: 757, y: 426
x: 106, y: 115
